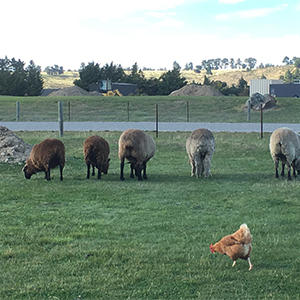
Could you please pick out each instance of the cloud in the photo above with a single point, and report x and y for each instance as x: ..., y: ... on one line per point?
x: 251, y: 13
x: 230, y: 1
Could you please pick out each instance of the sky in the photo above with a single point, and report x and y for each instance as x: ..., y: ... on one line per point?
x: 151, y: 33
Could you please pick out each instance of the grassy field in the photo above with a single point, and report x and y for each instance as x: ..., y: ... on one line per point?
x: 89, y: 239
x: 171, y: 109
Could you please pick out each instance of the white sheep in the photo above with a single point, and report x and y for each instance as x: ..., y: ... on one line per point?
x: 138, y: 148
x: 200, y: 147
x: 285, y: 147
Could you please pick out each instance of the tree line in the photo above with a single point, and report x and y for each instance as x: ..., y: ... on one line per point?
x: 164, y: 85
x: 18, y: 80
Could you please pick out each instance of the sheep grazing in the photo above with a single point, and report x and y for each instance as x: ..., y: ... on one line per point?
x: 285, y: 147
x: 138, y: 148
x: 200, y: 146
x: 47, y: 155
x: 96, y: 152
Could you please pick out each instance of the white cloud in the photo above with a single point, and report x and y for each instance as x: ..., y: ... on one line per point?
x: 251, y: 13
x: 230, y: 1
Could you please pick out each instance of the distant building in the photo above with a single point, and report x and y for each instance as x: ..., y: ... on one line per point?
x: 276, y: 88
x: 285, y: 90
x: 104, y: 86
x: 262, y: 86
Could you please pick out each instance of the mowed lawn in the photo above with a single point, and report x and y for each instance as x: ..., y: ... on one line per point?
x: 107, y: 239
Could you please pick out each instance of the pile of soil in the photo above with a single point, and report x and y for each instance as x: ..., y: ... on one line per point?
x: 71, y: 91
x: 12, y: 148
x: 196, y: 90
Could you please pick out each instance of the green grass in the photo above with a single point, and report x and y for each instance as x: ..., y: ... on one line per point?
x: 90, y: 239
x: 171, y: 109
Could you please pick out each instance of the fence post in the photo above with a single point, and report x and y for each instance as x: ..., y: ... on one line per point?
x: 156, y: 119
x: 17, y: 111
x: 60, y: 119
x: 187, y: 111
x: 128, y: 111
x: 261, y: 121
x: 69, y: 110
x: 248, y: 110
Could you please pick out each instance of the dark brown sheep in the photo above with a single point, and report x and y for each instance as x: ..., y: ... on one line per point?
x: 96, y: 153
x: 137, y: 147
x: 47, y: 155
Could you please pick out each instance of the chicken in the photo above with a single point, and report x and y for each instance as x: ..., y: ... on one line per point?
x: 236, y: 245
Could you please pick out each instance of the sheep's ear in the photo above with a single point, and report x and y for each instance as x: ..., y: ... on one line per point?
x: 24, y: 168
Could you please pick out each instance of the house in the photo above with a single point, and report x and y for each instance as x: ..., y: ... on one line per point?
x: 285, y: 90
x: 276, y: 88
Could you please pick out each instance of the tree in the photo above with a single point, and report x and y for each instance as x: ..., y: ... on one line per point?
x: 297, y: 62
x: 251, y: 62
x: 88, y: 74
x: 34, y: 80
x: 15, y: 80
x: 171, y: 81
x: 176, y: 66
x: 286, y: 60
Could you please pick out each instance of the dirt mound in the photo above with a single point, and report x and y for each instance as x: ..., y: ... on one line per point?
x: 70, y: 91
x: 196, y: 90
x: 12, y: 148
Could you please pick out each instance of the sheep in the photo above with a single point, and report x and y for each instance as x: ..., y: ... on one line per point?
x: 96, y: 153
x: 200, y: 146
x: 285, y: 147
x: 138, y: 148
x: 47, y: 155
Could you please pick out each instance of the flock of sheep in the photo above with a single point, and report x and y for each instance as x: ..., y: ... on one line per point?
x: 138, y: 148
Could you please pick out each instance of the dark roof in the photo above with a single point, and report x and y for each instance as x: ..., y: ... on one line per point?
x: 285, y: 90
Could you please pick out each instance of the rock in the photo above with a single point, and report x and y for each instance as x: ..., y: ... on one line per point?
x: 12, y: 148
x: 257, y: 99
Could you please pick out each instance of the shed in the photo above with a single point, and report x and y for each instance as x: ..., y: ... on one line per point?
x: 285, y: 90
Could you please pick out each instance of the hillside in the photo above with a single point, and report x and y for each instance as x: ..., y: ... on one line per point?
x: 228, y: 76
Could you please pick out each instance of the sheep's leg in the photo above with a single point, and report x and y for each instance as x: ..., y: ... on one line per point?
x: 122, y: 169
x: 88, y: 166
x: 276, y: 168
x: 48, y: 174
x: 294, y: 169
x: 61, y: 172
x: 206, y: 165
x: 193, y: 173
x: 139, y: 173
x: 99, y: 173
x: 93, y: 171
x: 131, y: 171
x: 144, y: 171
x: 289, y: 171
x: 282, y: 169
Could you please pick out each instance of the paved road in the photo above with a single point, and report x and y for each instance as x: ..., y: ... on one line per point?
x: 148, y: 126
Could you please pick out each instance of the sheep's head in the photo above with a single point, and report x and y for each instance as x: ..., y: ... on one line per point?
x: 28, y: 169
x: 105, y: 166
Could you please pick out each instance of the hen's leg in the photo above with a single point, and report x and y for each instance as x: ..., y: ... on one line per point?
x: 250, y: 265
x: 234, y: 262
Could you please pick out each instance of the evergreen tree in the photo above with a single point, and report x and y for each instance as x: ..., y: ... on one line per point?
x: 34, y: 80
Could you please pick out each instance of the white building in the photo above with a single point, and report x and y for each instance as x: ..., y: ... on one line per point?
x: 262, y: 86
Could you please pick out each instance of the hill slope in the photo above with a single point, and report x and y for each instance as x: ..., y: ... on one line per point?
x: 228, y: 76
